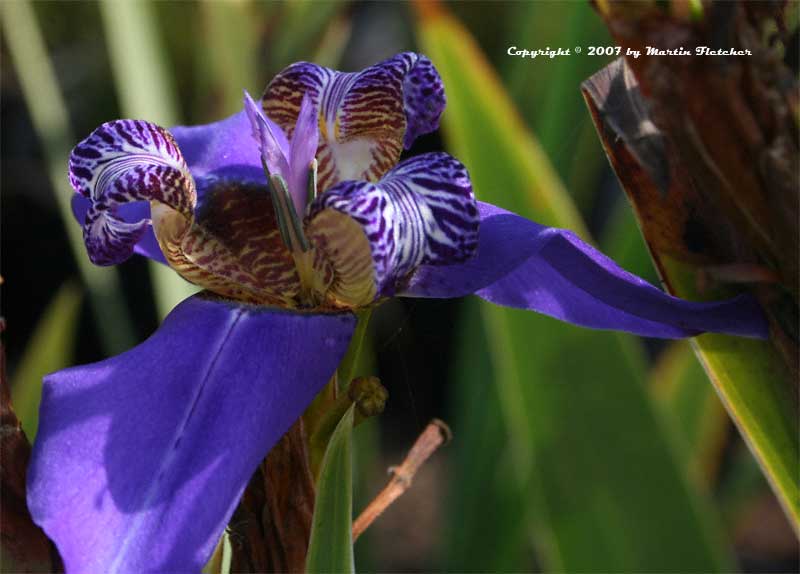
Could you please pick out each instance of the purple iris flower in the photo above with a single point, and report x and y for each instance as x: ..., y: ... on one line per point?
x: 291, y: 214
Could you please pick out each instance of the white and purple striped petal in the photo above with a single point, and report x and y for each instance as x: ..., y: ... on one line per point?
x: 123, y: 162
x: 423, y: 212
x: 215, y: 153
x: 365, y: 118
x: 525, y: 265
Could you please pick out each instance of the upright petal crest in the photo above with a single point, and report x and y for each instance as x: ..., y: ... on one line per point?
x: 365, y: 118
x: 121, y: 162
x: 303, y: 149
x: 291, y: 160
x: 272, y: 142
x: 422, y: 212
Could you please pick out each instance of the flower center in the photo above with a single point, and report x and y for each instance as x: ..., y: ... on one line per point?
x: 290, y: 226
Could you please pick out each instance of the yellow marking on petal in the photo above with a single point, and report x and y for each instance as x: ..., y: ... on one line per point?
x: 345, y: 247
x: 323, y: 128
x: 230, y: 247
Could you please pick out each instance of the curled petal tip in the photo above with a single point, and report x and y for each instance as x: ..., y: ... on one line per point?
x: 124, y: 162
x: 423, y: 99
x: 423, y: 212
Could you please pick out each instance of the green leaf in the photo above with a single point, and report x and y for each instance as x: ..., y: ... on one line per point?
x: 547, y: 91
x: 51, y: 123
x: 231, y: 66
x: 300, y: 29
x: 483, y: 464
x: 145, y: 90
x: 681, y: 386
x: 759, y: 396
x: 331, y: 545
x: 220, y: 561
x: 50, y: 348
x: 677, y: 381
x: 483, y: 126
x: 601, y: 486
x: 749, y: 375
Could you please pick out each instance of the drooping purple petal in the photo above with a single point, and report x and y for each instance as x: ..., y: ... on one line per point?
x: 130, y: 212
x: 422, y: 212
x: 141, y: 459
x: 121, y: 162
x: 366, y: 118
x: 528, y: 266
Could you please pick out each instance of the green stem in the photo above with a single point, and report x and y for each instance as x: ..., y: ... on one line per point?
x: 347, y: 368
x: 324, y: 413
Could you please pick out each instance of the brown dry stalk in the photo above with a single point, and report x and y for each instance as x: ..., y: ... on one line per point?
x: 435, y: 435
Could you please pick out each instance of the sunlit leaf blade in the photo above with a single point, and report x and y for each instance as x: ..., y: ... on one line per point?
x: 554, y: 106
x: 601, y: 484
x: 681, y: 386
x: 749, y: 375
x: 331, y: 546
x: 145, y: 90
x: 677, y: 380
x: 477, y: 105
x: 50, y: 348
x: 51, y: 122
x: 300, y: 28
x: 231, y: 66
x: 220, y: 562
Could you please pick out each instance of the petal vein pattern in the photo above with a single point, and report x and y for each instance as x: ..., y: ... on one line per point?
x: 121, y: 162
x: 421, y: 212
x: 365, y: 118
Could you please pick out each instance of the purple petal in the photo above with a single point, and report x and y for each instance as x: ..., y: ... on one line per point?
x: 421, y: 212
x: 121, y: 162
x: 222, y: 149
x: 140, y: 459
x: 303, y: 149
x: 270, y: 139
x: 131, y: 212
x: 424, y: 99
x: 215, y: 152
x: 366, y: 118
x: 528, y: 266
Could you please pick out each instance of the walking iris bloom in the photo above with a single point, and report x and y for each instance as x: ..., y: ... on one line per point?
x: 291, y: 214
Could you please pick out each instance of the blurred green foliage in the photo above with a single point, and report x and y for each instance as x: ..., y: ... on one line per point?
x: 563, y: 458
x: 545, y: 372
x: 50, y: 348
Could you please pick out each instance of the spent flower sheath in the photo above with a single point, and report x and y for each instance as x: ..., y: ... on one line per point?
x: 291, y: 214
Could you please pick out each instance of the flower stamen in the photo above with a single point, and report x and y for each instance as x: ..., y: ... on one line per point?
x: 311, y: 194
x: 289, y: 223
